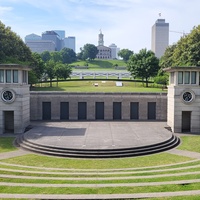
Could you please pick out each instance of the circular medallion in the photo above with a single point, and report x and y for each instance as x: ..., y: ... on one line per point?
x: 8, y: 96
x: 187, y: 96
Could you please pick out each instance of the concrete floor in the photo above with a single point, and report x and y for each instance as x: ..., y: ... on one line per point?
x: 98, y: 135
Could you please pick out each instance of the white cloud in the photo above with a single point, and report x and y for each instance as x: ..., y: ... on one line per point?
x: 5, y: 10
x: 113, y: 3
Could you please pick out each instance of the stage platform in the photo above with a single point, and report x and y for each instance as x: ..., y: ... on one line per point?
x: 98, y: 137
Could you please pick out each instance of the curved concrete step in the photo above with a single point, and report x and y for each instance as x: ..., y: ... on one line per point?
x: 97, y: 153
x: 166, y: 144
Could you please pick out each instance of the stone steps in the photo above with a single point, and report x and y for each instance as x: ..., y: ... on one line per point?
x: 24, y: 143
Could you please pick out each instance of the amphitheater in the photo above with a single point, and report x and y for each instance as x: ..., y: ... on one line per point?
x: 100, y: 145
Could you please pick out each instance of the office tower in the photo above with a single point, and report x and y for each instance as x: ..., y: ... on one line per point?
x: 61, y: 33
x: 70, y: 42
x: 40, y: 46
x: 53, y: 36
x: 32, y: 37
x: 160, y: 37
x: 114, y: 51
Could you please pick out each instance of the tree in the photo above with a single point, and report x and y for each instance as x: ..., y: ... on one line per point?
x: 66, y: 71
x: 167, y: 59
x: 50, y: 70
x: 56, y: 56
x: 12, y: 48
x: 37, y: 66
x: 143, y: 65
x: 89, y: 51
x: 32, y: 78
x: 80, y: 54
x: 185, y: 52
x: 46, y: 56
x: 62, y: 71
x: 125, y: 54
x: 161, y: 80
x: 68, y: 55
x: 58, y: 70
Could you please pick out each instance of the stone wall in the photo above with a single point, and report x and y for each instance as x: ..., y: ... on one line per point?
x: 176, y: 107
x: 37, y: 99
x: 20, y: 118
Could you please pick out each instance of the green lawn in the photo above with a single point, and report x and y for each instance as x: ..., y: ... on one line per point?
x: 6, y: 144
x: 190, y: 143
x: 105, y: 190
x: 44, y: 180
x: 103, y: 86
x: 142, y: 161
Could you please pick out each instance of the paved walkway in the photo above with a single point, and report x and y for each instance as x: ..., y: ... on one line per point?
x: 99, y: 178
x: 43, y: 185
x: 102, y: 196
x: 185, y: 153
x: 13, y: 154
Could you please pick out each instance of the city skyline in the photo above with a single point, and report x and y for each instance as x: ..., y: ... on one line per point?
x: 126, y: 23
x: 53, y: 40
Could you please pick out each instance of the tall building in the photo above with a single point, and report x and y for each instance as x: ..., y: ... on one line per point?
x: 70, y: 42
x: 32, y: 37
x: 114, y: 51
x: 61, y: 33
x: 53, y: 36
x: 40, y: 46
x: 160, y: 37
x: 103, y: 51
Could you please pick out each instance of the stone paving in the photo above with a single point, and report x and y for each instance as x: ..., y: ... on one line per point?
x: 102, y: 196
x: 13, y: 154
x: 98, y: 135
x: 43, y: 185
x: 185, y: 153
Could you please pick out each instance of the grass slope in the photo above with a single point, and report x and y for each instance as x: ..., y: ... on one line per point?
x: 100, y: 64
x: 190, y: 143
x: 6, y: 144
x: 105, y: 190
x: 142, y: 161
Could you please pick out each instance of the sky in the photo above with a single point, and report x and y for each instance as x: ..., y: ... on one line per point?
x: 126, y: 23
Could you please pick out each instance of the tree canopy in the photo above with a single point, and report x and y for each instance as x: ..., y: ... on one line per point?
x: 68, y: 55
x: 143, y: 65
x: 56, y: 70
x: 186, y: 52
x: 12, y: 47
x: 37, y: 66
x: 125, y: 54
x: 89, y: 51
x: 46, y: 56
x: 62, y: 71
x: 50, y: 70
